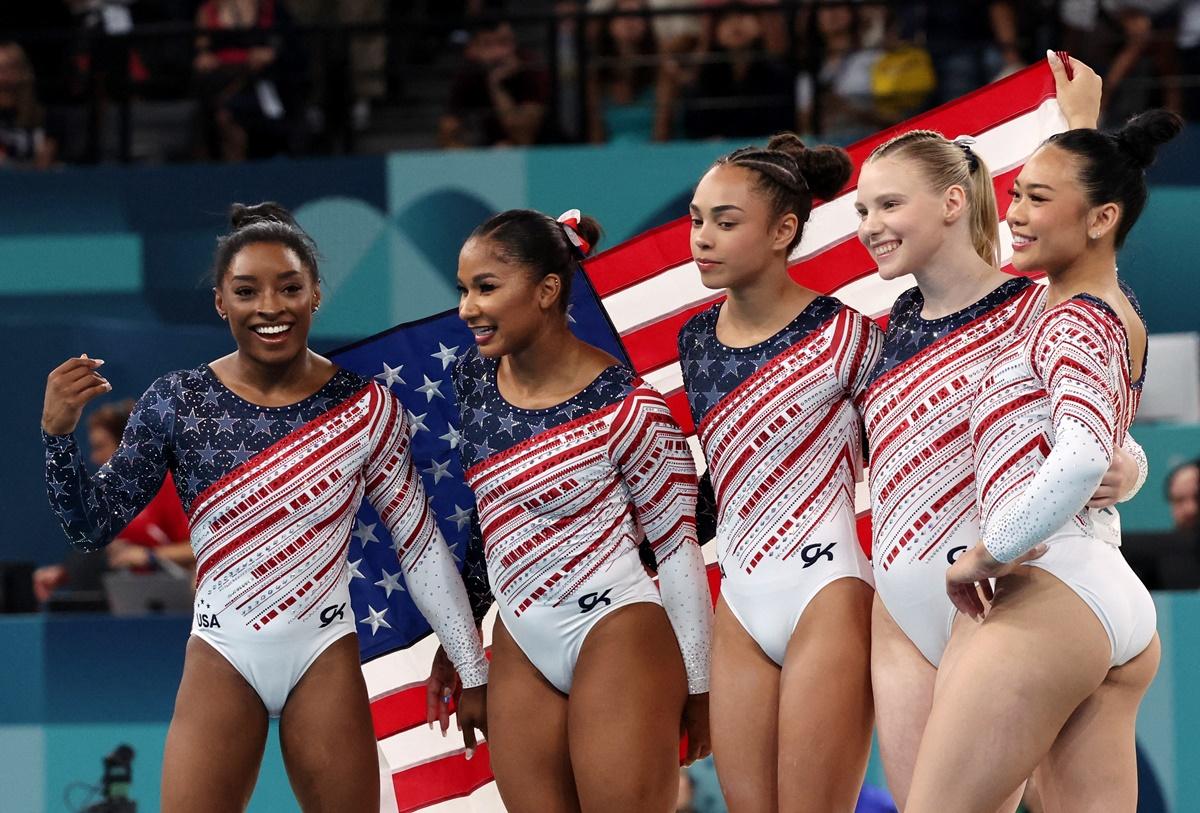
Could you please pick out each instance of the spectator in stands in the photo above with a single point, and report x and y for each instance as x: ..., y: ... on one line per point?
x: 1149, y: 28
x: 971, y: 43
x: 848, y: 37
x: 250, y: 77
x: 739, y: 90
x: 499, y: 97
x: 159, y: 533
x: 1183, y: 495
x: 23, y: 137
x: 624, y: 85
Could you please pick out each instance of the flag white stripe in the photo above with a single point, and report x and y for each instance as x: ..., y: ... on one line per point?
x: 420, y: 745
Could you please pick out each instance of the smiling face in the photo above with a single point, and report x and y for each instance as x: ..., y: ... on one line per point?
x: 269, y: 298
x: 735, y: 234
x: 902, y: 222
x: 1048, y: 216
x: 503, y: 303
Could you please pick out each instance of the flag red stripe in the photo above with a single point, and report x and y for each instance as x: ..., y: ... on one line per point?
x: 400, y: 710
x: 441, y: 779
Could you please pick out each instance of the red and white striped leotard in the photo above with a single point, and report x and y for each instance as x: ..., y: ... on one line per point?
x: 1051, y: 411
x: 565, y: 495
x: 783, y: 442
x: 271, y: 493
x: 916, y: 409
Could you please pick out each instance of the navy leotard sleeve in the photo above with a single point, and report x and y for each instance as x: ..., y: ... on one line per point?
x: 94, y: 508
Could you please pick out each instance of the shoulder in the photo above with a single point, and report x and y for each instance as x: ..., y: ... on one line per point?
x: 847, y: 315
x: 703, y: 321
x: 908, y: 302
x: 468, y: 363
x: 699, y: 327
x: 352, y: 379
x: 178, y: 382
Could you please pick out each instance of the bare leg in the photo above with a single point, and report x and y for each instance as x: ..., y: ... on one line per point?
x: 744, y: 716
x: 625, y: 711
x: 1038, y: 655
x: 825, y: 708
x: 902, y: 683
x: 527, y: 733
x: 961, y: 634
x: 215, y: 742
x: 1093, y: 764
x: 327, y: 737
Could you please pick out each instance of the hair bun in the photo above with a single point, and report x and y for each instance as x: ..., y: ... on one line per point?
x: 825, y: 168
x: 589, y: 230
x: 242, y: 215
x: 1143, y: 134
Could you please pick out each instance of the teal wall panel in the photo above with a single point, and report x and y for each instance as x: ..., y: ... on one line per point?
x: 70, y: 263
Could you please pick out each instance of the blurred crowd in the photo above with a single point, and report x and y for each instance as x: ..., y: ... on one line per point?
x: 176, y: 80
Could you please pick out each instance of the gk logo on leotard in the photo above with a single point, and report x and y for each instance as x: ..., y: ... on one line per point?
x: 811, y: 554
x: 334, y: 612
x: 953, y: 554
x: 590, y: 601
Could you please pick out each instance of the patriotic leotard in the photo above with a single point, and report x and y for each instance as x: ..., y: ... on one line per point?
x: 916, y: 408
x: 783, y: 443
x: 564, y: 496
x: 1051, y: 411
x: 271, y: 493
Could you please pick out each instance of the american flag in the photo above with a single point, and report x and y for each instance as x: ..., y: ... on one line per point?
x: 642, y: 292
x: 649, y: 286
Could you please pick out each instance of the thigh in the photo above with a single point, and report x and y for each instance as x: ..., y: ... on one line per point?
x: 625, y: 711
x: 961, y: 634
x: 1039, y: 653
x: 825, y: 706
x: 744, y: 715
x: 902, y: 682
x: 216, y: 739
x: 1093, y: 762
x: 326, y: 735
x: 527, y: 733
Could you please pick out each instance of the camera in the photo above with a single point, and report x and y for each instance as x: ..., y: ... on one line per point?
x: 118, y: 776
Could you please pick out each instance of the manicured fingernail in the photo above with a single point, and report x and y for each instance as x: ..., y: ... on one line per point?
x: 1050, y: 55
x: 431, y: 726
x: 470, y: 753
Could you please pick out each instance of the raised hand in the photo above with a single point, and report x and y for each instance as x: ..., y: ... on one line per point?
x: 68, y: 389
x: 1079, y: 95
